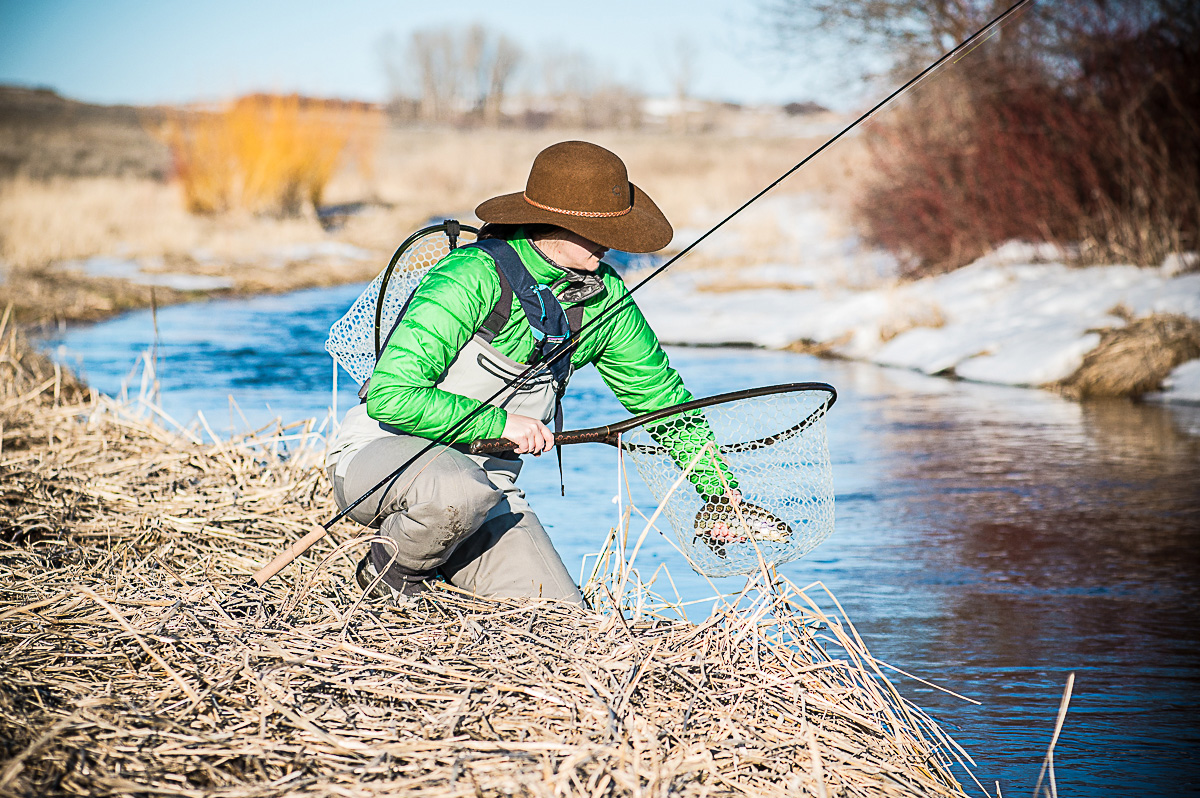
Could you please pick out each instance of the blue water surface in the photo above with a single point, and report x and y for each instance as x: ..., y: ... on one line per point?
x: 990, y: 539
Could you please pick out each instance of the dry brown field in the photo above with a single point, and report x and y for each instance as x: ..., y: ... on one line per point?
x: 80, y: 181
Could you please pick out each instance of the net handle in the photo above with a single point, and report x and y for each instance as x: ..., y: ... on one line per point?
x: 451, y: 227
x: 609, y: 434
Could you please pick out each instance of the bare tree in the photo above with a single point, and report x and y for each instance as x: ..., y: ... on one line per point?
x: 911, y: 30
x: 473, y: 53
x: 682, y: 62
x: 456, y: 74
x: 437, y: 56
x: 506, y: 57
x: 463, y: 75
x: 568, y: 79
x: 683, y: 67
x: 402, y: 105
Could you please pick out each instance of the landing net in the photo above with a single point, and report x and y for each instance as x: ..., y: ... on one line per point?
x: 759, y: 484
x: 351, y: 340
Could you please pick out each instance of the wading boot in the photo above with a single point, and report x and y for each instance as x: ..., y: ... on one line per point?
x: 395, y: 585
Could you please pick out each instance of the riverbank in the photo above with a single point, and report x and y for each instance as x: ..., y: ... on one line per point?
x: 1019, y: 316
x: 90, y: 227
x: 131, y: 665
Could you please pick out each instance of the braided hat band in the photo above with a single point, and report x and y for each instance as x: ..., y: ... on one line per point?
x: 589, y: 214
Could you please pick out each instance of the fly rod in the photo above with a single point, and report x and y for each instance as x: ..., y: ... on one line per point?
x: 564, y: 349
x: 610, y: 434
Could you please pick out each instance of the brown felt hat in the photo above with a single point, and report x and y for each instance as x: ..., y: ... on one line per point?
x: 584, y: 188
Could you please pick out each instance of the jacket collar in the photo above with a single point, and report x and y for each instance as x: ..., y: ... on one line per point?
x: 578, y: 286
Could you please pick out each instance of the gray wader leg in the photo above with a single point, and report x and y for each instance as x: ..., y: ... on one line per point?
x: 460, y: 513
x: 511, y: 555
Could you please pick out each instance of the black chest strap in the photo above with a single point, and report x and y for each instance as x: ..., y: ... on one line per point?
x: 542, y: 309
x: 501, y: 311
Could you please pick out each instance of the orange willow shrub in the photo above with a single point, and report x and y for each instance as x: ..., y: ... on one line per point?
x: 268, y: 154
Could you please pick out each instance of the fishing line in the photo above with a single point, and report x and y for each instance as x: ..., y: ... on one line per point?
x: 572, y: 343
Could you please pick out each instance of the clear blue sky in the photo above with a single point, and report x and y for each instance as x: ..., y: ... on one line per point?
x: 130, y: 51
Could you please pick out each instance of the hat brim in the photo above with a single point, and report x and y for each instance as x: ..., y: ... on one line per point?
x: 643, y: 229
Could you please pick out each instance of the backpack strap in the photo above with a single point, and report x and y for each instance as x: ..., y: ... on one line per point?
x: 551, y: 324
x: 499, y: 316
x: 496, y: 320
x: 491, y: 327
x: 551, y: 328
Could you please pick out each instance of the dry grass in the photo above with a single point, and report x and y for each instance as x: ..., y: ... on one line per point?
x: 46, y: 222
x: 45, y: 136
x: 128, y: 668
x: 695, y: 180
x: 45, y: 299
x: 29, y: 381
x: 924, y: 315
x: 46, y: 226
x: 1134, y: 359
x: 416, y: 174
x: 825, y: 349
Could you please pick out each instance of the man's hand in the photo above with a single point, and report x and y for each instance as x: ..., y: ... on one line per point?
x: 529, y: 434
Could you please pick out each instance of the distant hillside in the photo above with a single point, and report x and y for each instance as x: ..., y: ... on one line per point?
x: 43, y: 135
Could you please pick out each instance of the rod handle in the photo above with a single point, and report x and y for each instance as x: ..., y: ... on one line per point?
x: 285, y: 557
x: 566, y: 438
x: 488, y: 445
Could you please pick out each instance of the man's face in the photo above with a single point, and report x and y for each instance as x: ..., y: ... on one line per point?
x: 571, y: 250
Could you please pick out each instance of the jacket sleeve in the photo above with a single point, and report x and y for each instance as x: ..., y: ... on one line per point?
x: 447, y: 308
x: 634, y: 366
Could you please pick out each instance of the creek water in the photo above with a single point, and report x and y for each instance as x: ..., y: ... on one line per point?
x: 992, y: 540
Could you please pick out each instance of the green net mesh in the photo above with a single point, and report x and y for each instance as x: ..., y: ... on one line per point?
x: 743, y: 482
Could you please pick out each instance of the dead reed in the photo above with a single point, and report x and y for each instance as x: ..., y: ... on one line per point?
x: 128, y: 664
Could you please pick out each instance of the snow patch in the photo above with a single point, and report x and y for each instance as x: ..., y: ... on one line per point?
x: 1182, y: 385
x: 321, y: 249
x: 133, y: 270
x: 1017, y: 316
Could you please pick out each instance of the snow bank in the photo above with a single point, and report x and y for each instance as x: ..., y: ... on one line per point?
x: 1012, y: 317
x: 1182, y: 386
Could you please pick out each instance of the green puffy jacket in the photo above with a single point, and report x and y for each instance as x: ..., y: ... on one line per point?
x: 451, y: 303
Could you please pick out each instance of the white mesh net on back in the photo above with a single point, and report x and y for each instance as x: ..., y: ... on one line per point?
x: 351, y: 340
x: 773, y: 451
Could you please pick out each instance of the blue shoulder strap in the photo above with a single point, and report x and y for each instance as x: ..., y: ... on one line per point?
x: 550, y: 326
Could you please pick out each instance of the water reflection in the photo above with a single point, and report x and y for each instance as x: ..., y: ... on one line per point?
x: 1047, y: 537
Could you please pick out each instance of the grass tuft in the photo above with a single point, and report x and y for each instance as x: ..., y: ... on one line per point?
x: 1134, y: 359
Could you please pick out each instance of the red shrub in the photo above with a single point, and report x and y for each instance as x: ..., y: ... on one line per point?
x: 1097, y: 153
